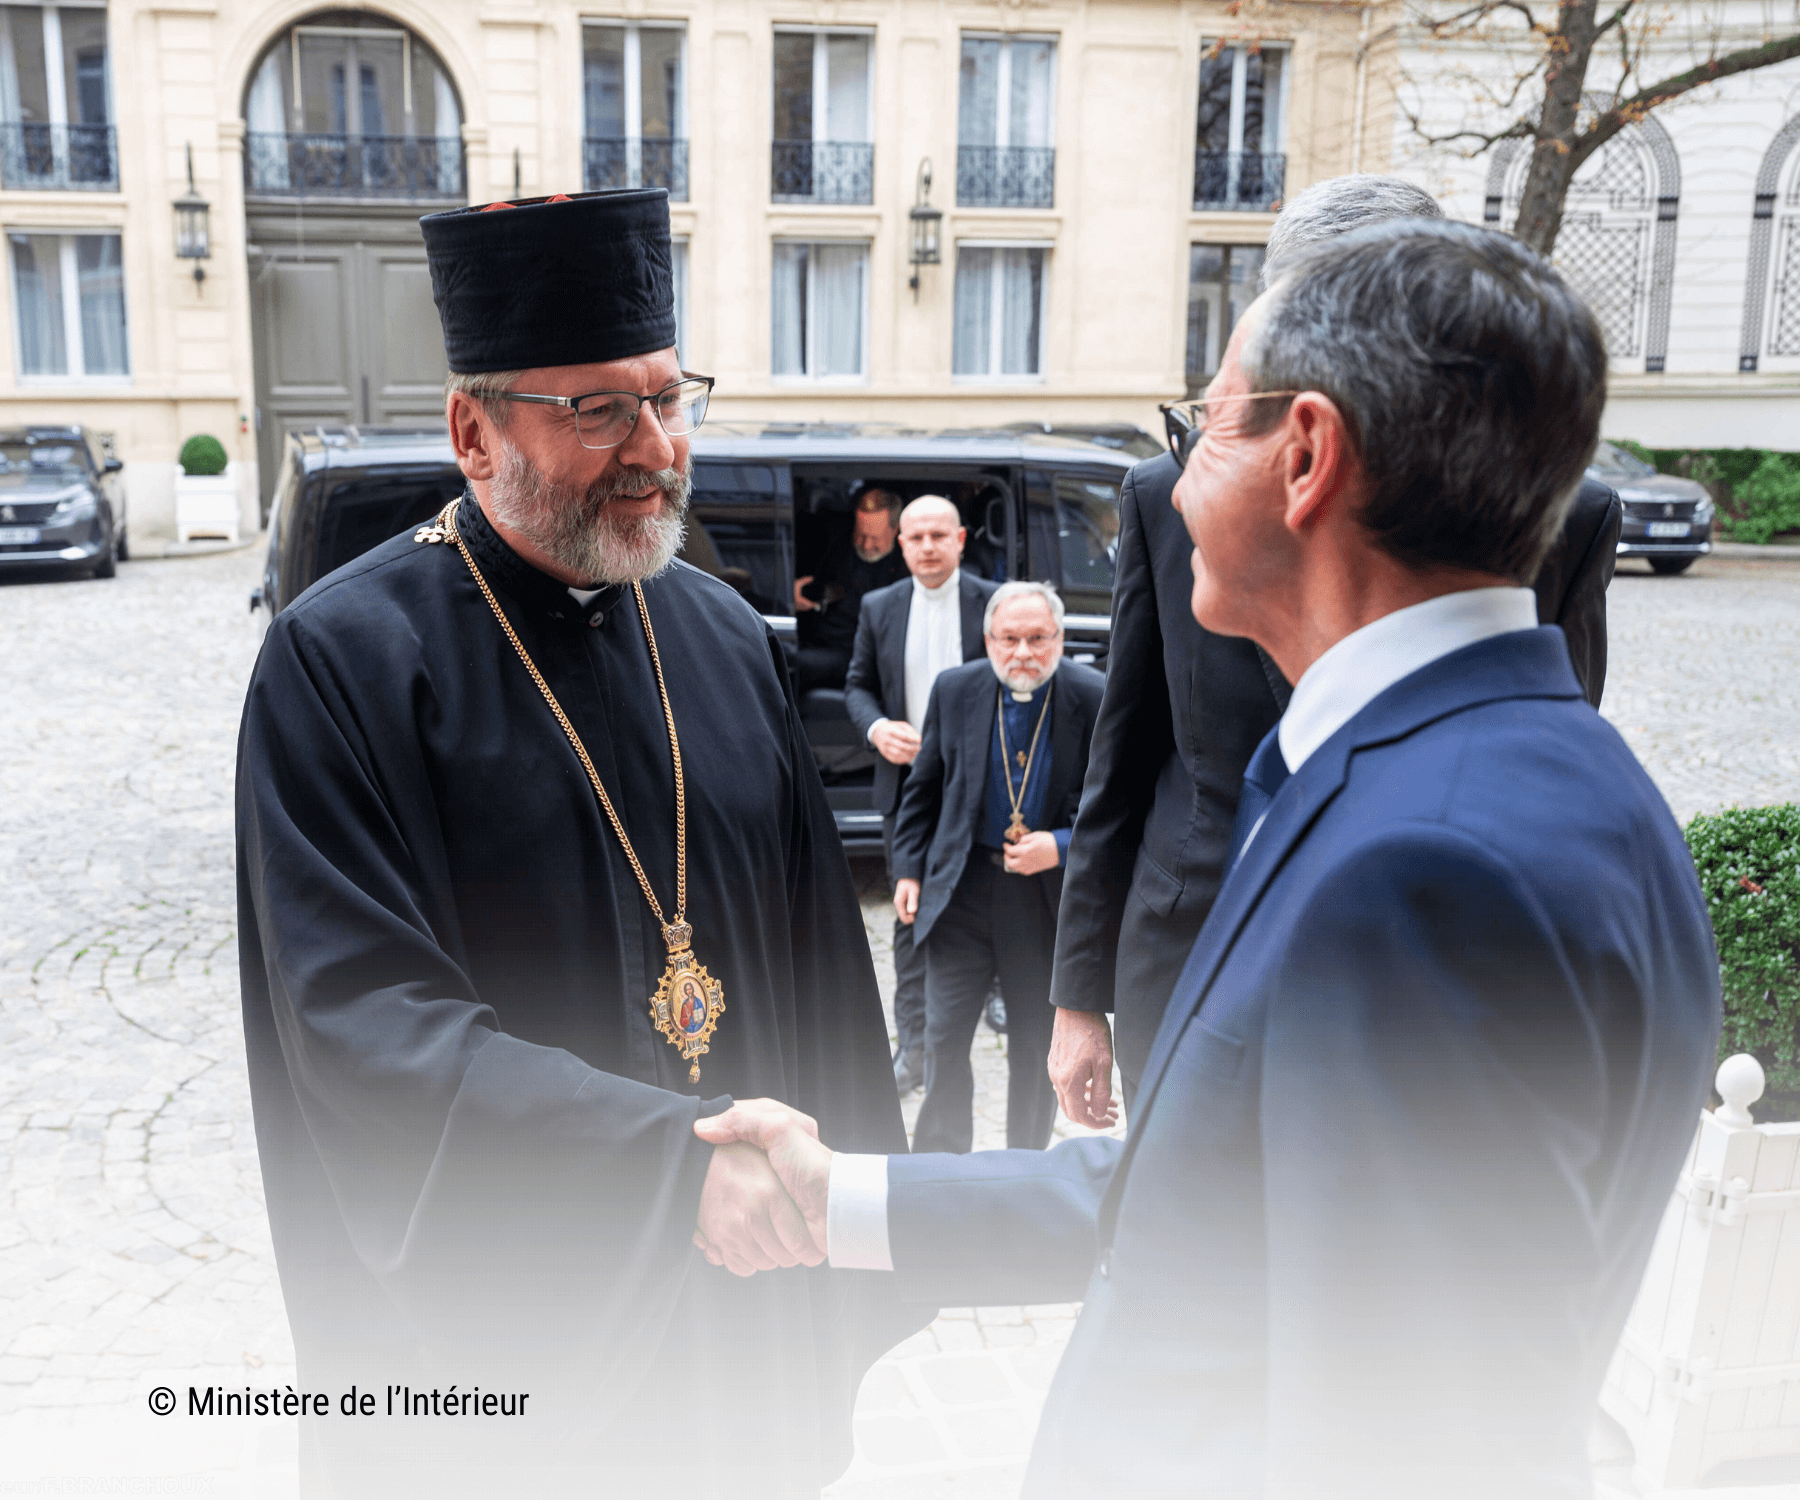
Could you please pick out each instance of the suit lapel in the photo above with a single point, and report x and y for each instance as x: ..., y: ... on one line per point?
x: 974, y: 606
x: 977, y: 706
x: 893, y: 654
x: 1520, y: 664
x: 1065, y: 748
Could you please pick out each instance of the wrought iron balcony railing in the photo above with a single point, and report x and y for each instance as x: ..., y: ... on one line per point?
x: 625, y: 162
x: 1245, y: 180
x: 823, y: 172
x: 1005, y: 176
x: 419, y: 168
x: 59, y: 158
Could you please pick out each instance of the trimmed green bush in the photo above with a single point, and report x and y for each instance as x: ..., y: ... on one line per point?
x: 201, y: 454
x: 1748, y: 859
x: 1756, y: 490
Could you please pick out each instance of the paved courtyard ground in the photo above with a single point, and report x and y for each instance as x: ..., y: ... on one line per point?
x: 133, y: 1247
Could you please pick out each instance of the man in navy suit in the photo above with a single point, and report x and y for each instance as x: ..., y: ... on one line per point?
x: 978, y: 851
x: 1425, y: 1084
x: 906, y: 634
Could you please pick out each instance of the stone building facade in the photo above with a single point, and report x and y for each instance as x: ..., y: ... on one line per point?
x: 1105, y: 171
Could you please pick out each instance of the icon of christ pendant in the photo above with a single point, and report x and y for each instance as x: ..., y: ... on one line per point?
x: 1016, y: 829
x: 688, y: 1001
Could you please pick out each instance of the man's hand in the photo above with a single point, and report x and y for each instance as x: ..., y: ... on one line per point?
x: 801, y: 602
x: 906, y: 900
x: 895, y: 740
x: 788, y: 1143
x: 1033, y: 854
x: 747, y: 1221
x: 1081, y: 1062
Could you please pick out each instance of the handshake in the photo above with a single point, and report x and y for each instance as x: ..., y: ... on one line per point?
x: 763, y: 1203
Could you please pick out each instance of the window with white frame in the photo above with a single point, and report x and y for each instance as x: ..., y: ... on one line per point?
x: 823, y: 125
x: 1241, y: 132
x: 634, y: 93
x: 820, y: 303
x: 1000, y: 292
x: 69, y: 304
x: 1005, y: 124
x: 55, y: 97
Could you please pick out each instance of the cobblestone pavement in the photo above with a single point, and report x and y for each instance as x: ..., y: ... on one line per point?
x: 133, y: 1246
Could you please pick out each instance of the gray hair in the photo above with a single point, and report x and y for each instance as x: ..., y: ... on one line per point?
x: 1470, y: 376
x: 1336, y: 206
x: 1022, y: 589
x: 483, y: 388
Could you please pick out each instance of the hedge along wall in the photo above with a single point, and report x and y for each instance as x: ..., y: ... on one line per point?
x: 1748, y: 860
x: 1756, y: 490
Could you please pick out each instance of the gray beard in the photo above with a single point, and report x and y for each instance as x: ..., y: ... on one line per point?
x: 574, y: 528
x: 1018, y: 683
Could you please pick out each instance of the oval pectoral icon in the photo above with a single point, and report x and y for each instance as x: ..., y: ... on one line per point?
x: 690, y: 1005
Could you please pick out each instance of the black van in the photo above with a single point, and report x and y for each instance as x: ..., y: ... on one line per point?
x: 1041, y: 505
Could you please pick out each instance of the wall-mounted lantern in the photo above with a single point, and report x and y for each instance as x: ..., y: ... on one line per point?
x: 193, y: 231
x: 926, y: 221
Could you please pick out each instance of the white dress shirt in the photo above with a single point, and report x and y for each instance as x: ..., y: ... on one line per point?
x: 1331, y: 692
x: 933, y: 643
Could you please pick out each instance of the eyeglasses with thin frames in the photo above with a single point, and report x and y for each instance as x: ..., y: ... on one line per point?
x: 1184, y: 421
x: 605, y: 419
x: 1029, y: 642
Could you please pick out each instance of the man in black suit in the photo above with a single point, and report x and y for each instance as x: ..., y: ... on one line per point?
x: 906, y: 634
x: 827, y: 608
x: 978, y: 849
x: 1184, y: 709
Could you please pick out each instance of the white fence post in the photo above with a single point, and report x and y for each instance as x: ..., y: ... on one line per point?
x: 1708, y: 1370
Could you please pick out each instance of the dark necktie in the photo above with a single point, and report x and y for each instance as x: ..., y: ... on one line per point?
x: 1266, y: 774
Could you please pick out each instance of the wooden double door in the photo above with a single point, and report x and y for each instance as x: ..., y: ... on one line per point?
x: 344, y: 329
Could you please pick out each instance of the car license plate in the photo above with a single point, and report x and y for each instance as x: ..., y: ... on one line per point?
x: 1669, y: 528
x: 18, y: 535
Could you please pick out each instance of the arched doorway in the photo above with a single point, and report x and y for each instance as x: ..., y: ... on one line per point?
x: 1782, y: 297
x: 353, y: 129
x: 1617, y: 243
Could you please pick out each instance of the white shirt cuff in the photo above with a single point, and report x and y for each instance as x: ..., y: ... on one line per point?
x: 856, y: 1223
x: 870, y: 736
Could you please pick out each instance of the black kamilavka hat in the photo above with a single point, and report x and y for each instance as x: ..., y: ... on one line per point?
x: 553, y: 281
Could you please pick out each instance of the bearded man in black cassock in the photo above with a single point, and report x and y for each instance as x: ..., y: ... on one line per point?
x: 498, y: 958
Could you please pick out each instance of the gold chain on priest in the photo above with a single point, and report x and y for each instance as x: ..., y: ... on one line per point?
x: 688, y: 1001
x: 1016, y: 829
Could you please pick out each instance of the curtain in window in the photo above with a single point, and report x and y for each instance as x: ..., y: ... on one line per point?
x: 973, y: 349
x: 679, y: 264
x: 847, y: 88
x: 38, y: 304
x: 788, y: 300
x: 1262, y: 100
x: 266, y: 114
x: 449, y: 133
x: 1021, y: 310
x: 837, y: 291
x: 102, y: 280
x: 1032, y: 70
x: 978, y: 92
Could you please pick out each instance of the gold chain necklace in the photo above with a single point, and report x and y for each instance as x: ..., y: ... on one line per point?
x: 1016, y: 829
x: 688, y: 1001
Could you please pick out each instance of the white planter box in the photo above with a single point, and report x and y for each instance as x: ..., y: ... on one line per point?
x: 206, y: 506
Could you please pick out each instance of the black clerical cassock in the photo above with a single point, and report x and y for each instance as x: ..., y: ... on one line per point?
x: 478, y: 1152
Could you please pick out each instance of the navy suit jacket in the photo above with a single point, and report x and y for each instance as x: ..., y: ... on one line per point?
x: 875, y: 687
x: 945, y: 797
x: 1406, y: 1133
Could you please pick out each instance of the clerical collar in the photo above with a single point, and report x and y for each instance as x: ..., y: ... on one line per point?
x: 1014, y: 696
x: 506, y: 570
x: 944, y: 590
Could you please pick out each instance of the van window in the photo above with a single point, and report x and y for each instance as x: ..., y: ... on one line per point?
x: 364, y: 512
x: 741, y: 530
x: 1072, y: 533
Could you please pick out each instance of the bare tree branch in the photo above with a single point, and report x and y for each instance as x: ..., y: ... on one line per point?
x: 1634, y: 109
